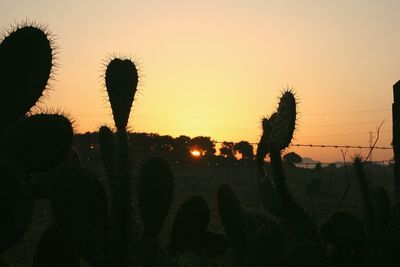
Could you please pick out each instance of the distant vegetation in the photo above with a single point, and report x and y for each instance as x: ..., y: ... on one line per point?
x: 174, y: 150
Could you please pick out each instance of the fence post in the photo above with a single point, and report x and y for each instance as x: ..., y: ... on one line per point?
x: 396, y: 141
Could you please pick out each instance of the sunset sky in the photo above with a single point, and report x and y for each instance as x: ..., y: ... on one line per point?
x: 215, y: 68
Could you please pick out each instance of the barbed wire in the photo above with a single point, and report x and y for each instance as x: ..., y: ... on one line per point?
x: 344, y: 163
x: 328, y: 146
x: 341, y: 146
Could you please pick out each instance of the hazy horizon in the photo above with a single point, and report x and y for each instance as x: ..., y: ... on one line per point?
x: 215, y: 68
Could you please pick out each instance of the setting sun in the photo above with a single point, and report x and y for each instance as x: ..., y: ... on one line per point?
x: 195, y: 153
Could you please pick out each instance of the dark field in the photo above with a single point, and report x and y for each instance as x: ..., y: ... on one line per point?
x: 319, y: 201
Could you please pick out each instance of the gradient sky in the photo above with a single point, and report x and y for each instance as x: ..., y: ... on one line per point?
x: 215, y: 68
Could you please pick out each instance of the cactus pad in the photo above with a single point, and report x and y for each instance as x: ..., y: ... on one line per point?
x: 26, y: 59
x: 15, y: 205
x: 345, y: 231
x: 190, y: 225
x: 39, y: 142
x: 80, y: 209
x: 121, y: 83
x: 54, y: 249
x: 155, y: 191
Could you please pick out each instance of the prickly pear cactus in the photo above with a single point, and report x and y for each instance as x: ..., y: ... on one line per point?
x: 121, y: 83
x: 38, y: 142
x: 283, y: 122
x: 278, y: 129
x: 154, y: 194
x: 54, y: 249
x: 255, y: 240
x: 32, y: 143
x: 233, y: 220
x: 190, y: 226
x: 15, y: 205
x: 26, y: 60
x: 344, y: 231
x: 80, y: 209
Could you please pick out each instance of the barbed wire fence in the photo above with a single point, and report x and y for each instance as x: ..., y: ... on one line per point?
x: 334, y: 188
x: 334, y: 146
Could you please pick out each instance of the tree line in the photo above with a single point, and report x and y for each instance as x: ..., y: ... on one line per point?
x: 176, y: 149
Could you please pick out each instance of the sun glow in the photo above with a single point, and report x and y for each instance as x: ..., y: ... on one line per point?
x: 195, y: 153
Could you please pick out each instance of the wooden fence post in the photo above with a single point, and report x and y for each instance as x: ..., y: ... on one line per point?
x: 396, y: 141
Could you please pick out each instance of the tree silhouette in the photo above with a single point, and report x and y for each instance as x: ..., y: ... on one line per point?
x: 291, y: 158
x: 226, y: 149
x: 180, y: 148
x: 204, y: 144
x: 245, y: 149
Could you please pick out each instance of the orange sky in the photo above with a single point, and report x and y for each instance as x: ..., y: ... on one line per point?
x: 216, y: 68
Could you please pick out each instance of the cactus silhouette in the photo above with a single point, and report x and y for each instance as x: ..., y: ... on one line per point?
x: 254, y: 239
x: 344, y: 231
x: 234, y: 222
x: 38, y: 142
x: 190, y: 225
x: 26, y: 60
x: 107, y: 153
x: 155, y: 191
x: 80, y: 209
x: 28, y: 144
x: 155, y: 187
x: 15, y: 205
x: 382, y: 209
x: 278, y: 129
x: 54, y: 249
x: 268, y: 247
x: 277, y: 134
x: 299, y: 227
x: 121, y: 82
x: 121, y: 79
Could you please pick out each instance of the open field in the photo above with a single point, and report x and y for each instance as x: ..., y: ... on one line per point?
x: 204, y: 180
